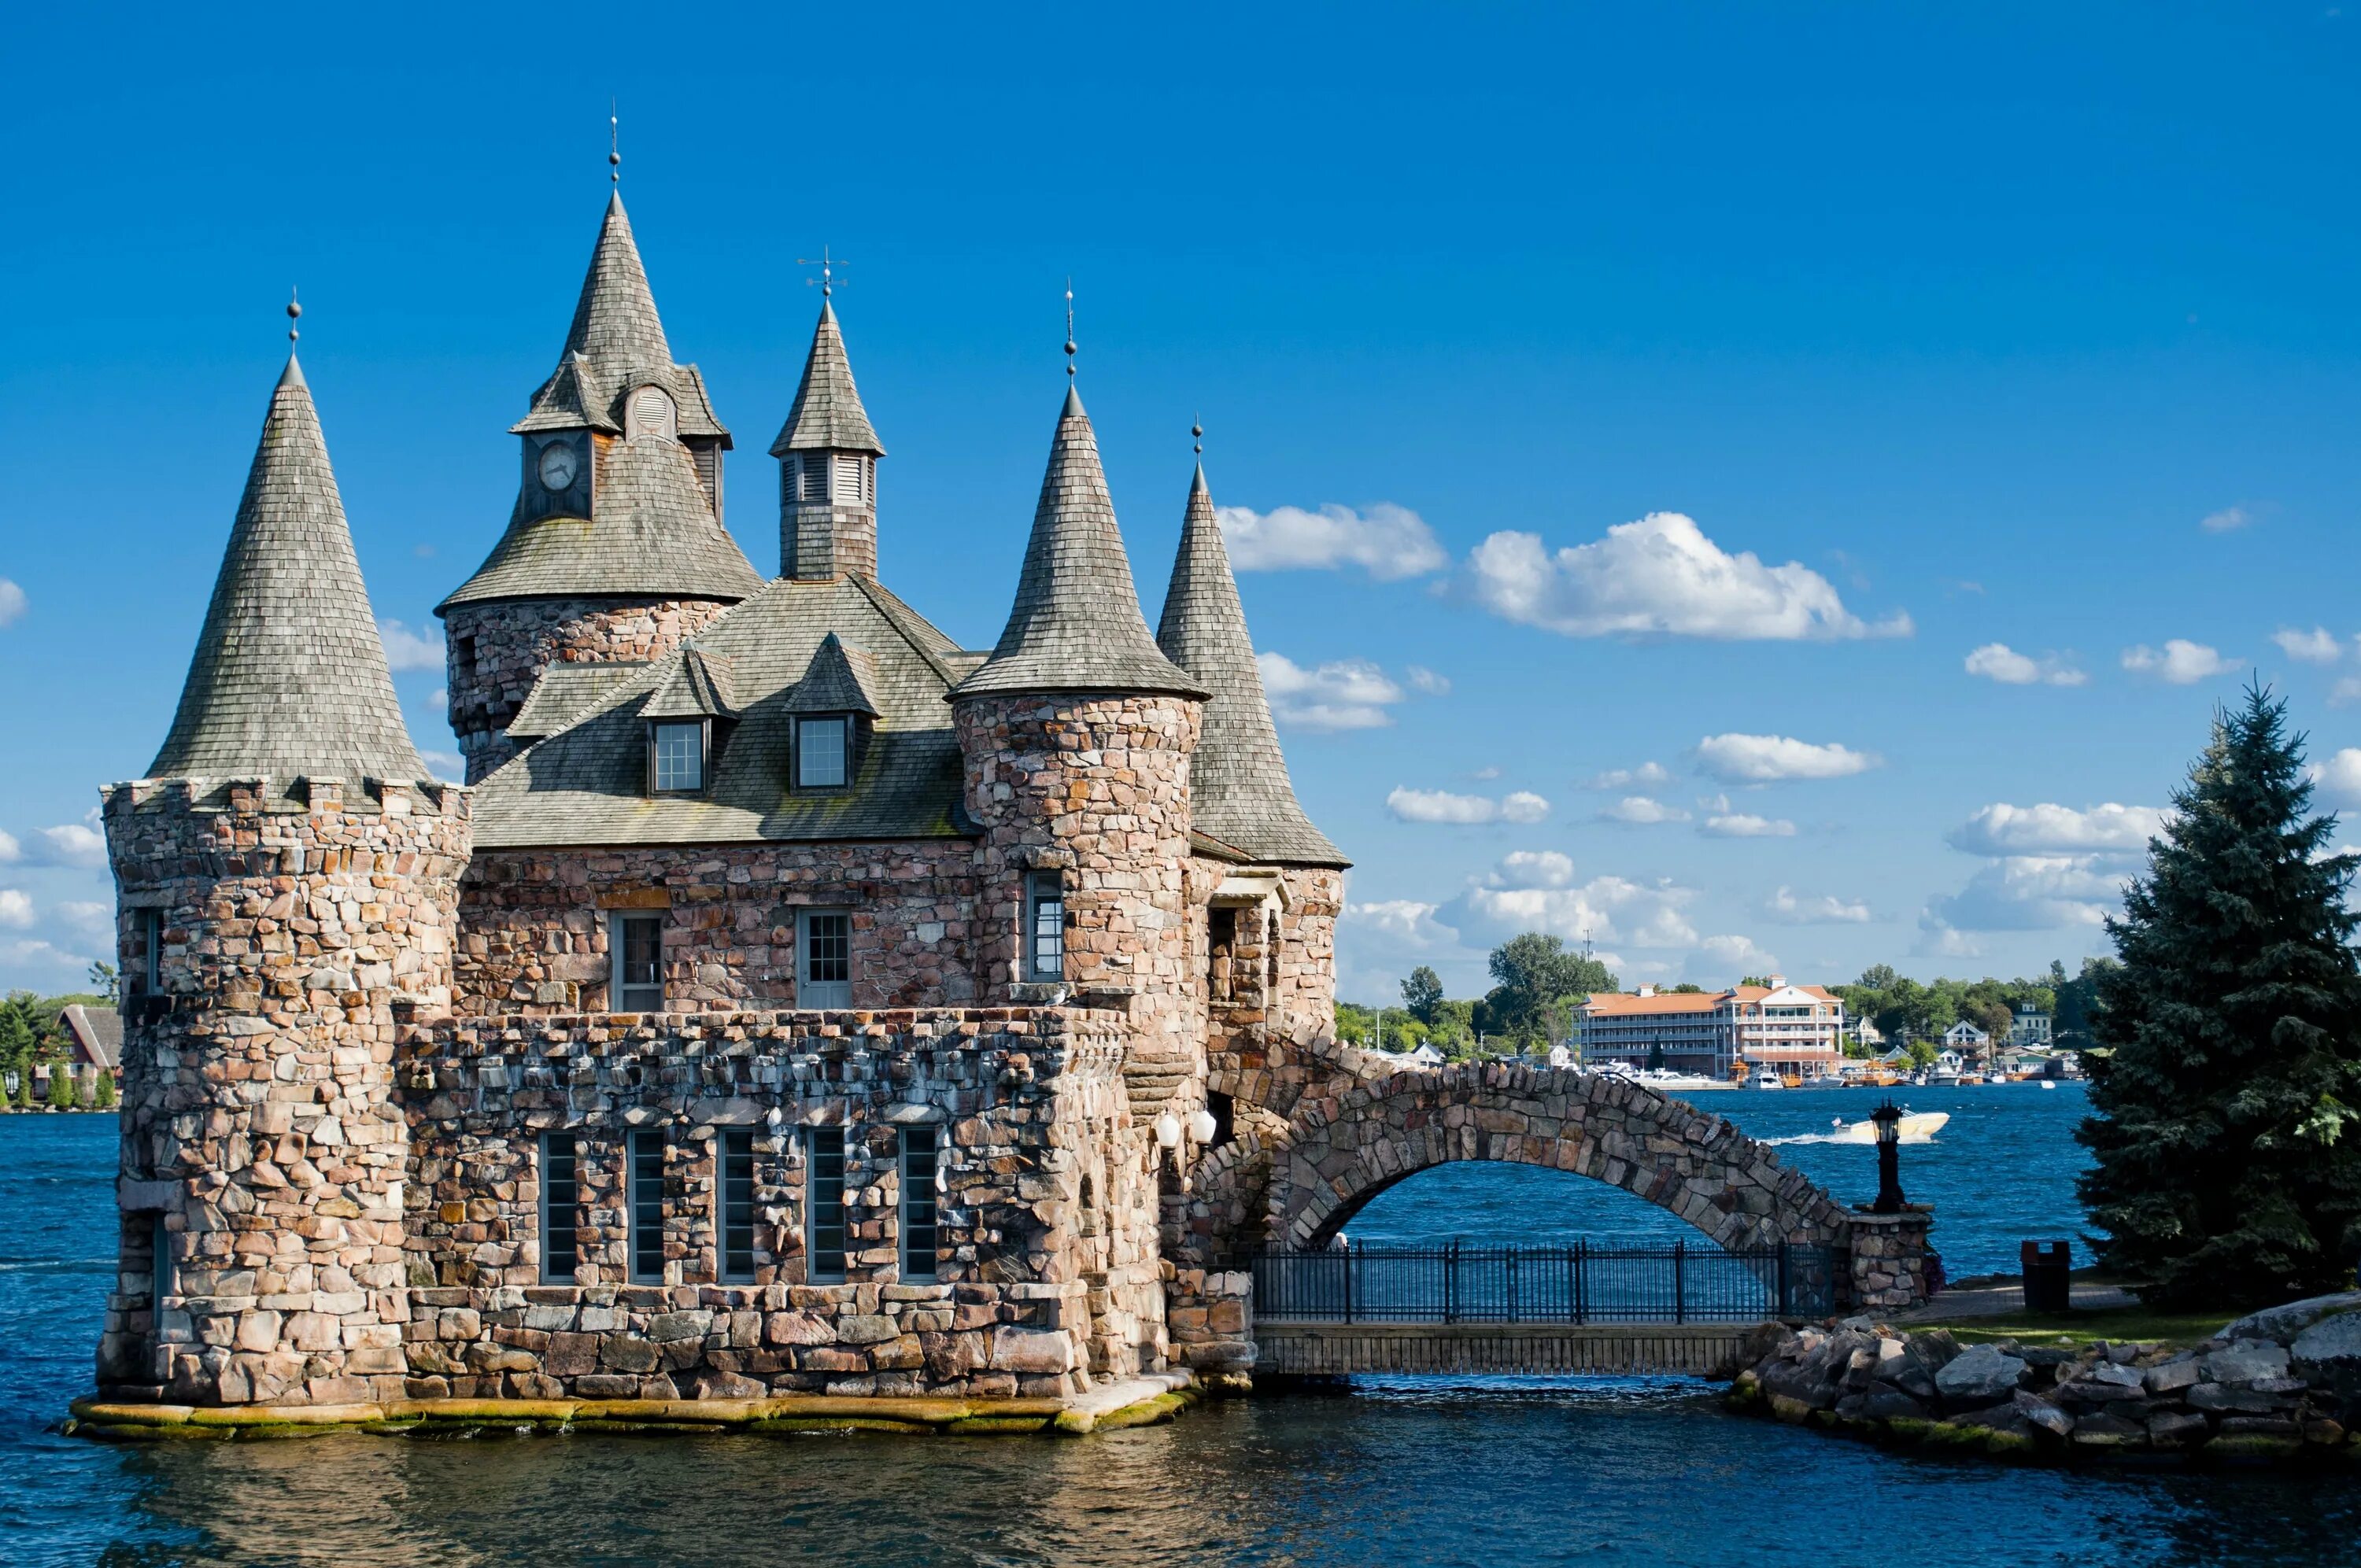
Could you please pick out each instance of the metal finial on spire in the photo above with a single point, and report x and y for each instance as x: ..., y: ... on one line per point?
x: 294, y: 313
x: 827, y: 266
x: 614, y: 145
x: 1197, y: 433
x: 1070, y: 327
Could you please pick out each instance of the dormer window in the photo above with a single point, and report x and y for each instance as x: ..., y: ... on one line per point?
x: 823, y: 751
x: 651, y: 413
x: 677, y: 756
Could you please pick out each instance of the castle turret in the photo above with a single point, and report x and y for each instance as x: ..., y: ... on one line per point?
x: 615, y: 550
x: 828, y: 468
x: 287, y: 881
x: 1077, y: 734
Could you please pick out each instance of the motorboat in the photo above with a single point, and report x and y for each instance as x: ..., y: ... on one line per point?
x: 1915, y: 1127
x: 1662, y: 1080
x: 1765, y: 1079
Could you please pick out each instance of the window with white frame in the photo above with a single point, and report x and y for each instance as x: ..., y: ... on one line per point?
x: 823, y: 958
x: 733, y: 1188
x: 824, y: 1205
x: 823, y: 751
x: 1045, y: 927
x: 677, y: 755
x: 919, y: 1209
x: 561, y: 1198
x: 636, y: 945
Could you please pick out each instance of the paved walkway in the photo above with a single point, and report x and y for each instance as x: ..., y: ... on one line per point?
x: 2000, y: 1296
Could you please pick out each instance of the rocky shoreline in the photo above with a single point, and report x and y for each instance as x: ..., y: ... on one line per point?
x: 2281, y: 1386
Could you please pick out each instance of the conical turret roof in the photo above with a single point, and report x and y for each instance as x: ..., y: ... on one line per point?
x: 828, y: 415
x: 1076, y: 625
x: 1239, y: 791
x: 290, y: 677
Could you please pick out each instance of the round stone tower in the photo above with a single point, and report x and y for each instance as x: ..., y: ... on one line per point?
x: 615, y: 552
x: 286, y: 877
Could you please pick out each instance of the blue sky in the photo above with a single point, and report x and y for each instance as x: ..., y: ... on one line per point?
x: 1879, y: 434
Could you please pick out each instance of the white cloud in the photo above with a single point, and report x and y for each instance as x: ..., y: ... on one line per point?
x: 1647, y: 775
x: 73, y: 844
x: 1790, y: 909
x: 1404, y: 918
x: 10, y: 850
x: 408, y: 650
x: 1738, y: 954
x: 2035, y: 892
x: 1763, y: 759
x: 445, y: 765
x: 1534, y: 868
x: 12, y: 601
x: 1937, y: 940
x: 2317, y: 646
x: 2227, y: 519
x: 1344, y: 694
x: 1441, y: 805
x: 2004, y: 829
x: 1659, y: 575
x: 2339, y: 778
x: 1486, y: 773
x: 1388, y: 541
x: 1425, y: 682
x: 2182, y: 663
x: 89, y: 914
x: 1638, y: 809
x: 15, y: 908
x: 1533, y: 896
x: 2345, y: 692
x: 440, y: 698
x: 1746, y: 825
x: 1999, y: 661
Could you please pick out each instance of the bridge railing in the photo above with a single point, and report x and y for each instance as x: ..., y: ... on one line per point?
x: 1583, y: 1283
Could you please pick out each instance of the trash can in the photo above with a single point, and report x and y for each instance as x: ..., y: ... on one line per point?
x: 2047, y: 1289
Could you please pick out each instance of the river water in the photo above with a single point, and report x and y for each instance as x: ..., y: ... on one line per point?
x: 1495, y: 1473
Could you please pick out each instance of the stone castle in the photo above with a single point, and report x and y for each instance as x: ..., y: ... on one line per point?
x: 791, y: 1001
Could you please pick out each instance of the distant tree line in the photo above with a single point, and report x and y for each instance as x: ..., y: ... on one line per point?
x: 1537, y: 983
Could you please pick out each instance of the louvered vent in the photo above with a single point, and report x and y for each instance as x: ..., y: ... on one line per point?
x: 652, y: 412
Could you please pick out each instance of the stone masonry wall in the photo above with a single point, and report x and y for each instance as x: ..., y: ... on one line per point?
x: 258, y: 1113
x: 536, y: 923
x: 495, y: 652
x: 1043, y: 1204
x: 1096, y: 787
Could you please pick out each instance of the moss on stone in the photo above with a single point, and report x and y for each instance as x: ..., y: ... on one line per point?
x: 2250, y: 1448
x: 1146, y: 1413
x: 983, y: 1425
x: 789, y: 1425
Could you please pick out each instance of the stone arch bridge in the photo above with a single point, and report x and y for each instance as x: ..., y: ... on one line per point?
x: 1321, y: 1129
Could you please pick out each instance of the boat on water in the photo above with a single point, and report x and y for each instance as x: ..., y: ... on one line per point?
x: 1662, y: 1080
x: 1916, y: 1128
x: 1766, y: 1078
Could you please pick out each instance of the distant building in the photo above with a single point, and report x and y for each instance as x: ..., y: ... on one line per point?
x: 1865, y: 1032
x: 1420, y: 1055
x: 2031, y: 1028
x: 1965, y: 1037
x: 1795, y: 1030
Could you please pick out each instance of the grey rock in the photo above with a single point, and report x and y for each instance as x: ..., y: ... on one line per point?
x: 1881, y: 1403
x: 2042, y: 1414
x: 2222, y: 1397
x: 2170, y: 1429
x: 2172, y: 1376
x: 1979, y: 1375
x: 1997, y: 1417
x: 2259, y: 1426
x: 2330, y: 1345
x: 2245, y: 1360
x: 2282, y: 1325
x: 2106, y: 1430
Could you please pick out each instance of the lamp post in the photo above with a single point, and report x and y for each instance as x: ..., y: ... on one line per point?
x: 1890, y: 1200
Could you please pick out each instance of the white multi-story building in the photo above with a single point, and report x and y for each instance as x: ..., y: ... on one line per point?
x: 1797, y: 1031
x: 2029, y: 1029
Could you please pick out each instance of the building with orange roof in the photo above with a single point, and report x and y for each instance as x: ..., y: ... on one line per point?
x: 1796, y: 1031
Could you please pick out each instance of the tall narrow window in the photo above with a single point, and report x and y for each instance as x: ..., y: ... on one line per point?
x: 163, y: 1277
x: 647, y: 1206
x: 637, y: 944
x: 823, y: 752
x: 1045, y: 927
x: 678, y: 756
x: 823, y: 959
x: 824, y: 1205
x: 734, y: 1185
x: 561, y: 1198
x: 151, y: 952
x: 919, y: 1211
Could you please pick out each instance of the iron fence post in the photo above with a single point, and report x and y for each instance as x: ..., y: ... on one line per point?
x: 1451, y: 1281
x: 1786, y: 1302
x: 1348, y: 1280
x: 1512, y: 1287
x: 1680, y: 1284
x: 1581, y: 1281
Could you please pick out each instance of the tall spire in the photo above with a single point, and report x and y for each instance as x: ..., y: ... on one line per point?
x: 290, y: 677
x: 1076, y: 625
x: 827, y: 415
x: 1239, y: 791
x: 615, y: 323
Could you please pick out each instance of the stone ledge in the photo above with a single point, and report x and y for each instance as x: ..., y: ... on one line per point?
x: 1133, y: 1401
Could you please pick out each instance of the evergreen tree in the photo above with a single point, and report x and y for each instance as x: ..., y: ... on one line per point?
x: 2227, y: 1068
x: 61, y: 1086
x: 23, y: 1100
x: 1422, y: 994
x: 101, y: 1091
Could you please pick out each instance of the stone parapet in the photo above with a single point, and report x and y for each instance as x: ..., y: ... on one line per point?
x: 1889, y: 1258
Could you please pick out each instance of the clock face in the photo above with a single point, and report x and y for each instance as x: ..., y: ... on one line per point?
x: 558, y: 466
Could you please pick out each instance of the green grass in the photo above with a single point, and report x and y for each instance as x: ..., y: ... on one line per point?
x: 2117, y: 1325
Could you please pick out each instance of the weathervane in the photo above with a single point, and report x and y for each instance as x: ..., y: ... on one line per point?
x: 1197, y: 433
x: 1070, y: 328
x: 828, y: 265
x: 614, y: 145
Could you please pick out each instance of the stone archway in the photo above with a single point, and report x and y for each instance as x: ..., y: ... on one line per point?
x: 1342, y: 1153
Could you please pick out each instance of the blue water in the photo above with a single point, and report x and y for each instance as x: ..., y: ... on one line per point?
x: 1493, y: 1473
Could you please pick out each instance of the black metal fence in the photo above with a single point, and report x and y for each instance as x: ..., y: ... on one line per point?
x: 1579, y: 1284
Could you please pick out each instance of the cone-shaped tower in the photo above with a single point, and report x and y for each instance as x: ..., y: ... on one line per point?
x: 1076, y: 625
x: 1240, y: 792
x: 615, y: 549
x: 827, y: 455
x: 290, y: 677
